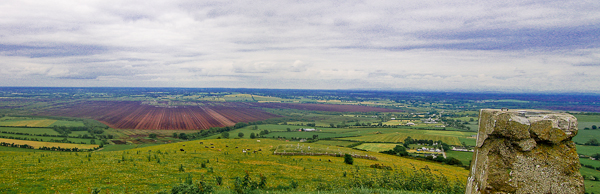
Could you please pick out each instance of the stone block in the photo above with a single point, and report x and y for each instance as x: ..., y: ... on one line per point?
x: 525, y: 151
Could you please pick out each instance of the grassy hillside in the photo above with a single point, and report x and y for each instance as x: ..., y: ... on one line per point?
x: 156, y: 168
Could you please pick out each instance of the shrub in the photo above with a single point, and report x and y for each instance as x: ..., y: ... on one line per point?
x: 247, y: 185
x: 219, y: 180
x: 188, y: 187
x: 348, y: 159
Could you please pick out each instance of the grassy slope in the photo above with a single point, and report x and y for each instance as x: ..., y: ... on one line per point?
x: 75, y: 172
x: 40, y: 131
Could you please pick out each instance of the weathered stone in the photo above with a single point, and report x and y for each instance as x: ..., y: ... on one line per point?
x: 525, y: 152
x: 527, y: 144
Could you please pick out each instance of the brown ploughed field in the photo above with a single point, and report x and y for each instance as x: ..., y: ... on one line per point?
x: 135, y: 115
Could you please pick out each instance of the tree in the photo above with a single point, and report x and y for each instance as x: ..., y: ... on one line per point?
x: 446, y: 147
x: 152, y: 135
x: 315, y: 136
x: 252, y: 136
x: 241, y: 135
x: 288, y: 129
x: 183, y: 136
x: 594, y: 127
x: 592, y: 142
x: 453, y: 161
x: 92, y: 141
x: 174, y: 135
x: 348, y: 159
x: 398, y: 150
x: 225, y: 135
x: 331, y: 125
x: 409, y: 140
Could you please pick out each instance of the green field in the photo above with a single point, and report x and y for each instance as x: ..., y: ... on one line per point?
x: 39, y: 131
x: 588, y: 150
x: 584, y: 136
x: 68, y: 123
x: 464, y: 157
x: 305, y: 134
x: 335, y: 143
x: 400, y: 137
x: 25, y: 122
x: 376, y: 147
x: 47, y: 139
x: 156, y: 168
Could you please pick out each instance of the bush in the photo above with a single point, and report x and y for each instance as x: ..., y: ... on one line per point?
x: 188, y: 187
x: 398, y: 150
x: 247, y: 185
x: 152, y: 135
x: 348, y: 159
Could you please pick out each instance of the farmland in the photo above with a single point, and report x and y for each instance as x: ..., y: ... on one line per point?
x: 399, y: 137
x: 376, y: 147
x: 38, y: 144
x: 155, y: 168
x: 324, y: 107
x: 135, y: 115
x: 147, y: 130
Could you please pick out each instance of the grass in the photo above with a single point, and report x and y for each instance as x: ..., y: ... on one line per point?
x: 588, y: 150
x: 141, y: 171
x: 39, y: 131
x: 26, y: 122
x: 68, y: 123
x: 48, y: 139
x: 120, y: 147
x: 464, y: 157
x: 591, y: 186
x: 38, y: 144
x: 12, y: 149
x: 376, y: 147
x: 585, y: 135
x: 305, y: 134
x: 334, y: 143
x: 399, y: 137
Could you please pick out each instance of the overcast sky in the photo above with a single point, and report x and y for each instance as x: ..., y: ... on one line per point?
x: 509, y: 45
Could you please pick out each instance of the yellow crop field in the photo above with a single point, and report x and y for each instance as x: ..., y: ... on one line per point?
x: 399, y: 137
x: 38, y: 144
x: 156, y: 168
x: 28, y: 123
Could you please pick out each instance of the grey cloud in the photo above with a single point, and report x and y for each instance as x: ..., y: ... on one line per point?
x: 51, y: 50
x: 346, y: 43
x: 587, y: 64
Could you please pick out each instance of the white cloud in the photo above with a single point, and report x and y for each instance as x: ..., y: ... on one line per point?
x: 452, y: 45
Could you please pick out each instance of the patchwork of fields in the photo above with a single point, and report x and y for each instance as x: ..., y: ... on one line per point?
x: 400, y: 137
x: 325, y: 107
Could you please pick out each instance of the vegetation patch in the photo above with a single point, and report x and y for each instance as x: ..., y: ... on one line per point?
x: 39, y: 144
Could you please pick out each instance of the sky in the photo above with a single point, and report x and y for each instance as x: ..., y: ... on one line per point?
x: 504, y: 46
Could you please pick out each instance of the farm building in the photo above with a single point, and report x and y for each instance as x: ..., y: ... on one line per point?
x: 308, y: 129
x: 410, y: 124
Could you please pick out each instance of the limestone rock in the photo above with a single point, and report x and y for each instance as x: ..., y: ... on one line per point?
x: 525, y: 151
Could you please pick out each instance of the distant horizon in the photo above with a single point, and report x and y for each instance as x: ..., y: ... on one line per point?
x: 355, y: 89
x: 506, y: 46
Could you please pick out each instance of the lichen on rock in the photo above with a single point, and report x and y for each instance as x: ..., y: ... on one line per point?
x: 525, y: 151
